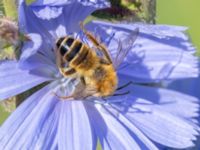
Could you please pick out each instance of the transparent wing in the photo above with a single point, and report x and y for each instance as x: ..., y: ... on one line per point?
x: 124, y: 47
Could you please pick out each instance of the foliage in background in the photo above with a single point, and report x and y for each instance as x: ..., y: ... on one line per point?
x: 10, y: 8
x: 128, y: 10
x: 181, y: 12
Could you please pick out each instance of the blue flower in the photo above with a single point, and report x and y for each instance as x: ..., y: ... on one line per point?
x: 146, y: 118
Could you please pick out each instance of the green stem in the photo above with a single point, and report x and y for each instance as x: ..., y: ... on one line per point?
x: 149, y: 8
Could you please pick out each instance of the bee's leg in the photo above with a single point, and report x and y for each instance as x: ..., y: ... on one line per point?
x: 96, y: 43
x: 63, y: 97
x: 74, y: 96
x: 116, y: 94
x: 120, y: 94
x: 83, y: 80
x: 68, y: 72
x: 125, y: 85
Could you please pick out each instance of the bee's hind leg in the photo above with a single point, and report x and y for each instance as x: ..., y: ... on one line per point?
x: 124, y: 86
x: 96, y: 43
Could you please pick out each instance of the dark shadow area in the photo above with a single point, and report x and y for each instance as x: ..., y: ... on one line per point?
x: 119, y: 11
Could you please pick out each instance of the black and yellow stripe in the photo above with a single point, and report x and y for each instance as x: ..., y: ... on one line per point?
x: 63, y: 44
x: 71, y: 49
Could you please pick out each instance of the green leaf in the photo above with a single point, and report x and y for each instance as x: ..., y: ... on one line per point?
x: 129, y: 5
x: 6, y: 46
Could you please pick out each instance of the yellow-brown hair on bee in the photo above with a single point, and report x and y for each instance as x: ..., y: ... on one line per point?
x: 76, y: 59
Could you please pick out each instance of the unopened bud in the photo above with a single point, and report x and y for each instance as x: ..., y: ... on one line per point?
x: 9, y: 32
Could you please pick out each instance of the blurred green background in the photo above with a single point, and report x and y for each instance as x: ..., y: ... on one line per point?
x: 181, y: 12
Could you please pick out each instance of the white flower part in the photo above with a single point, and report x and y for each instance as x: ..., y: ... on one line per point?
x: 60, y: 31
x: 48, y: 13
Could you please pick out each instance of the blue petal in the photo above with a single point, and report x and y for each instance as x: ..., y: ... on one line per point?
x: 36, y: 45
x: 14, y: 80
x: 112, y: 134
x: 177, y: 103
x: 164, y: 116
x: 47, y: 139
x: 142, y: 140
x: 25, y: 126
x: 160, y: 52
x: 96, y: 3
x: 29, y: 23
x: 39, y: 65
x: 38, y: 57
x: 52, y: 16
x: 183, y: 105
x: 163, y: 127
x: 189, y: 86
x: 75, y: 131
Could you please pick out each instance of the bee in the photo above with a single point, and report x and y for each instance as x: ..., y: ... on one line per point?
x: 76, y: 59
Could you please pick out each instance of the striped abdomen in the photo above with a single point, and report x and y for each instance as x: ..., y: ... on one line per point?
x: 77, y: 54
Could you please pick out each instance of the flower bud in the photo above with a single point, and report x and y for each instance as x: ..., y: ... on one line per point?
x: 9, y: 31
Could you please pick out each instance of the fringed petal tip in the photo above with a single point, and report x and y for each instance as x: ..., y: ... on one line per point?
x: 167, y: 34
x: 160, y: 31
x: 151, y: 58
x: 163, y: 31
x: 167, y: 120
